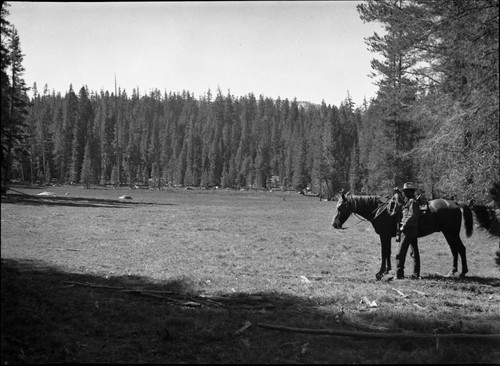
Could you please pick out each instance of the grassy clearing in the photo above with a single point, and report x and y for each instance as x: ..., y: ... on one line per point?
x: 239, y: 246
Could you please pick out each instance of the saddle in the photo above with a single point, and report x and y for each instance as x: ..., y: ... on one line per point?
x: 423, y: 204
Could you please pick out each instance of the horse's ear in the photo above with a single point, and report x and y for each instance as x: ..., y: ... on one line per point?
x: 342, y: 194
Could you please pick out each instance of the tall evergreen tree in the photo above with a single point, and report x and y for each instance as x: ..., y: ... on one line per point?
x: 300, y: 177
x: 84, y: 116
x: 13, y: 127
x: 58, y: 137
x: 88, y: 176
x: 397, y: 88
x: 262, y: 167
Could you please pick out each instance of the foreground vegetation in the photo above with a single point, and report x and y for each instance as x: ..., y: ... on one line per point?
x: 174, y: 276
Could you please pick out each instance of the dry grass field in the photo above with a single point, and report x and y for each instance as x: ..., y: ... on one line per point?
x: 194, y: 276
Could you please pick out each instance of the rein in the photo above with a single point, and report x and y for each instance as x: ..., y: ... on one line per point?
x: 361, y: 219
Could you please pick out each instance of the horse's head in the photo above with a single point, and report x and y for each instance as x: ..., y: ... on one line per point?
x: 344, y: 210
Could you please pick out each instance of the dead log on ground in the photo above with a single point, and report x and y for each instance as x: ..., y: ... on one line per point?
x: 355, y: 334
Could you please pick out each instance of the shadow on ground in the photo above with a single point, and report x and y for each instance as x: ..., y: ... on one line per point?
x: 467, y: 280
x: 26, y: 199
x: 52, y: 316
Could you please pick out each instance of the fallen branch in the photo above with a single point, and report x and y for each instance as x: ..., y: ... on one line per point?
x: 245, y: 327
x: 69, y: 249
x: 370, y: 327
x: 93, y: 285
x: 157, y: 293
x: 178, y: 302
x: 240, y: 302
x: 150, y: 291
x: 345, y: 333
x: 399, y: 292
x: 13, y: 190
x: 245, y: 299
x: 253, y: 307
x: 211, y: 302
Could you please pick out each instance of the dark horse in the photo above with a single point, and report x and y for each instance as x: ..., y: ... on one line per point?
x: 442, y: 215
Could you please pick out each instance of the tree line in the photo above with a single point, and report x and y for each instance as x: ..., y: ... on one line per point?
x: 434, y: 120
x: 222, y: 140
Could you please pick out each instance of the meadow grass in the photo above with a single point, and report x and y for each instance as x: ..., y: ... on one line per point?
x: 276, y: 247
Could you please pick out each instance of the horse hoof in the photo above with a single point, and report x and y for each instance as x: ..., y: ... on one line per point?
x: 379, y: 276
x: 462, y: 276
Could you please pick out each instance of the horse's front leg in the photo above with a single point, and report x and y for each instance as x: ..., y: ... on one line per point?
x: 388, y: 254
x: 385, y: 267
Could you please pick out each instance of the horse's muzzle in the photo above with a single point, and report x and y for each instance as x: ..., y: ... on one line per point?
x: 336, y: 224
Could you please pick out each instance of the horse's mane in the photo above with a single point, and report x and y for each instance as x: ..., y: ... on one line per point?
x: 364, y: 205
x: 364, y: 199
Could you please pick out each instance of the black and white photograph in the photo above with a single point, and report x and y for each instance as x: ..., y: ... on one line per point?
x: 250, y: 182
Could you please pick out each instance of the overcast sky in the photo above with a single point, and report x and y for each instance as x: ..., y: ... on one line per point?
x: 309, y: 50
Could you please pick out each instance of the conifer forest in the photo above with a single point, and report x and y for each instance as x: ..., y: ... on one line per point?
x: 434, y: 121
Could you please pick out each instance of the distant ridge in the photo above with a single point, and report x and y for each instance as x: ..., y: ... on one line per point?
x: 307, y: 105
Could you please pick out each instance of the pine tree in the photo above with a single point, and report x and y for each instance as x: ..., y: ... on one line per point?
x: 58, y: 141
x: 14, y: 98
x: 397, y: 88
x: 262, y: 167
x: 5, y: 62
x: 88, y: 176
x: 191, y: 141
x: 232, y: 174
x: 461, y: 109
x: 225, y: 181
x: 64, y: 152
x: 300, y: 177
x: 329, y: 165
x: 438, y: 95
x: 104, y: 121
x: 181, y: 166
x: 38, y: 128
x: 354, y: 180
x: 84, y: 116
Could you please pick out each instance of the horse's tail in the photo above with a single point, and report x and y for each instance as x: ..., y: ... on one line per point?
x: 466, y: 211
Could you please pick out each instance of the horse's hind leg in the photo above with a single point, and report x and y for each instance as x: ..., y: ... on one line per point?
x: 457, y: 247
x: 463, y: 257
